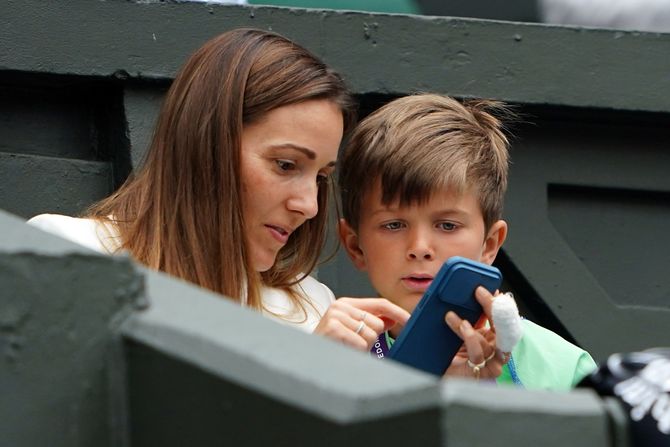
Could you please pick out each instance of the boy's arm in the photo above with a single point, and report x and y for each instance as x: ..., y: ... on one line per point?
x: 585, y: 366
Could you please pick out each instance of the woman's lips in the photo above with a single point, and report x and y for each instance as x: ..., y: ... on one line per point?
x: 278, y: 233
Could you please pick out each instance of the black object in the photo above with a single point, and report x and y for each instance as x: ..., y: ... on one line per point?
x: 641, y: 381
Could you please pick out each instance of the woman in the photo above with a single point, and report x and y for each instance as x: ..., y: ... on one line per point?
x: 232, y: 195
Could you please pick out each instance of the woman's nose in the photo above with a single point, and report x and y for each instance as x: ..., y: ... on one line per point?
x: 305, y: 200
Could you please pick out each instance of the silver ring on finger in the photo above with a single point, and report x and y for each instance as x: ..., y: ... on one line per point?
x: 360, y: 327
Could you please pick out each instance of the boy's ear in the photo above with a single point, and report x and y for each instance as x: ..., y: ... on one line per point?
x: 349, y: 240
x: 494, y: 240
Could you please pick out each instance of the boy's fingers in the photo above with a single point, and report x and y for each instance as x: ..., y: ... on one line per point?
x: 485, y: 299
x: 454, y: 323
x: 473, y: 342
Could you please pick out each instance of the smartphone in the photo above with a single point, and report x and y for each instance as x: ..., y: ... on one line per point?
x: 426, y: 342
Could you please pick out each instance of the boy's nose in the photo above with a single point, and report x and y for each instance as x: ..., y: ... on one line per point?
x: 420, y: 249
x: 421, y: 254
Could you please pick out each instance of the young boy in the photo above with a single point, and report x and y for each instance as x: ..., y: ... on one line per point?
x: 423, y: 179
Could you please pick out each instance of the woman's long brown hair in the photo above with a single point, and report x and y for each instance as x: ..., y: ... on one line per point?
x: 182, y: 211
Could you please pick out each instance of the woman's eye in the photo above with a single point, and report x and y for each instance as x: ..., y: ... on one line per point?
x: 322, y: 179
x: 285, y: 165
x: 392, y: 225
x: 447, y: 226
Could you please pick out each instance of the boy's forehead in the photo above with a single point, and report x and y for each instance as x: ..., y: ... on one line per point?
x: 372, y: 199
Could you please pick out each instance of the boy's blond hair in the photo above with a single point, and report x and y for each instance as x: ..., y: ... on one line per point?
x: 419, y: 144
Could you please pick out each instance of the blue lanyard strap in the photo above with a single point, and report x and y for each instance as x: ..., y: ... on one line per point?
x: 512, y: 372
x: 381, y: 347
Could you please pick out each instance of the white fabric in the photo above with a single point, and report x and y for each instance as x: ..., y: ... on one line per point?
x: 86, y: 232
x: 638, y: 15
x: 317, y: 299
x: 104, y: 239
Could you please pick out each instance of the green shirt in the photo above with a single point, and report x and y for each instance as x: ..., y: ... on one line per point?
x: 542, y: 359
x: 545, y: 360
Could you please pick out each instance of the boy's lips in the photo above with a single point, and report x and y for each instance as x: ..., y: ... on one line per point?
x: 417, y: 282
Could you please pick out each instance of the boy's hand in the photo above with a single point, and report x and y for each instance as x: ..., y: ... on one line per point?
x: 479, y: 356
x: 357, y: 322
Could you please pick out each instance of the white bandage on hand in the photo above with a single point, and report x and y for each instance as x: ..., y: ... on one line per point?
x: 507, y: 322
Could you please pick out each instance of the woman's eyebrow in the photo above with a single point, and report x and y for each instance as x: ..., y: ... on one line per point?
x: 308, y: 152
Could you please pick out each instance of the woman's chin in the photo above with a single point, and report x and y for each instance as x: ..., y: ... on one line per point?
x: 264, y: 264
x: 260, y: 268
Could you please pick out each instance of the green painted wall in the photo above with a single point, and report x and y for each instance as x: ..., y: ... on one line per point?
x: 522, y: 63
x: 377, y: 6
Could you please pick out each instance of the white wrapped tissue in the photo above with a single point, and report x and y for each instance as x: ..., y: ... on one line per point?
x: 507, y: 322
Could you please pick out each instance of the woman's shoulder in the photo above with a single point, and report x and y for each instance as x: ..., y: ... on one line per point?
x: 317, y: 291
x: 315, y: 298
x: 314, y: 294
x: 83, y: 231
x: 61, y: 225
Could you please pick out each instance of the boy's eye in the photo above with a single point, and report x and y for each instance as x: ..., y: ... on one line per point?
x: 447, y: 226
x: 285, y: 165
x: 392, y: 225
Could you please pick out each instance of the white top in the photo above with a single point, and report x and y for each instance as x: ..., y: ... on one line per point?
x: 87, y: 232
x: 104, y: 238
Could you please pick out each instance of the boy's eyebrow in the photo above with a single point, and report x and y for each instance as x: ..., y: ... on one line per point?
x: 379, y: 210
x: 308, y: 152
x: 392, y: 209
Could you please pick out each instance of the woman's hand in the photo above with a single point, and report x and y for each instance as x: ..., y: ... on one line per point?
x: 357, y: 322
x: 479, y: 356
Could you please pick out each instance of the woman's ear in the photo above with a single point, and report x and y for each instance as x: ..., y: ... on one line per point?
x: 494, y: 239
x: 349, y: 240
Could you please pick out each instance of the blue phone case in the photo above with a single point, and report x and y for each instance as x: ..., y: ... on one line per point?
x: 427, y: 342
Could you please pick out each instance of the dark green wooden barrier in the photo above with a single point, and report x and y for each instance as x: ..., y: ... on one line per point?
x: 62, y: 380
x: 99, y: 352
